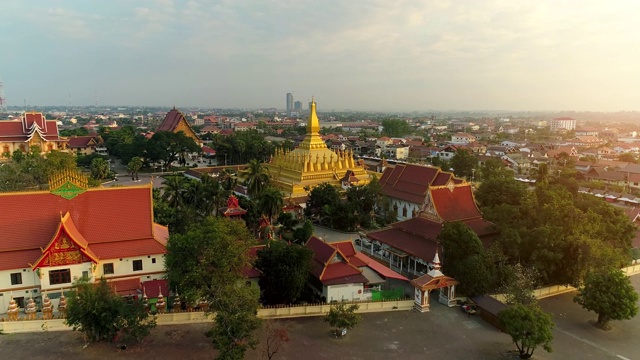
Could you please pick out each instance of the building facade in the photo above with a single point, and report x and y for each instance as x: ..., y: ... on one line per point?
x: 78, y: 232
x: 562, y: 123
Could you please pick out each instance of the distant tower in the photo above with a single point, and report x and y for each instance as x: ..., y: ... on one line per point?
x: 96, y: 98
x: 3, y: 100
x: 289, y: 103
x: 297, y: 106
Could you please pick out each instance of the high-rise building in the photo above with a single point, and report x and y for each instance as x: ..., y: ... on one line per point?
x: 297, y: 106
x: 289, y: 103
x: 565, y: 123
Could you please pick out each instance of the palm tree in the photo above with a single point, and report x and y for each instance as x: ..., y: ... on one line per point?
x: 173, y: 192
x: 257, y: 177
x: 270, y: 203
x: 99, y: 168
x: 214, y: 194
x: 193, y: 195
x: 228, y: 180
x: 541, y: 174
x: 134, y: 166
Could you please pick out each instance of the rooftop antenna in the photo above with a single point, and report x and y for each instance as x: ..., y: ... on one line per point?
x: 69, y: 105
x: 3, y: 101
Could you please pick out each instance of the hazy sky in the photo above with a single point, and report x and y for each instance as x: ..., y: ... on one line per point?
x: 355, y: 54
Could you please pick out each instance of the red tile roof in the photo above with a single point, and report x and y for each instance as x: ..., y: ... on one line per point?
x: 377, y: 267
x: 115, y: 222
x: 126, y: 287
x: 411, y: 244
x: 83, y: 141
x: 171, y: 120
x: 128, y: 248
x: 410, y: 182
x: 330, y: 266
x: 455, y: 205
x: 153, y: 287
x: 29, y: 124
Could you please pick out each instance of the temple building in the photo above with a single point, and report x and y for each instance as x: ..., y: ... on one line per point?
x: 407, y: 185
x: 409, y: 245
x: 50, y: 238
x: 32, y: 129
x: 312, y: 163
x: 175, y: 121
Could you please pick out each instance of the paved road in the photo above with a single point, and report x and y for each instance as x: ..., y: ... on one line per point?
x: 447, y: 333
x: 330, y: 235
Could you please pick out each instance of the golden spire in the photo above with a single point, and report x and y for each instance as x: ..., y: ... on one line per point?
x: 313, y: 124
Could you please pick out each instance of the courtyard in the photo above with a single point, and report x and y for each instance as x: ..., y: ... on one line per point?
x: 442, y: 333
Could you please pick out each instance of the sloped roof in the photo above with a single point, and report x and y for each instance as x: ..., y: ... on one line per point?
x: 330, y: 266
x: 21, y: 129
x: 408, y: 182
x: 83, y: 141
x: 456, y: 203
x: 115, y: 222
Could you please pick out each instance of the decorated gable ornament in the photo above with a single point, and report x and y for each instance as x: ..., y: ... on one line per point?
x: 68, y: 184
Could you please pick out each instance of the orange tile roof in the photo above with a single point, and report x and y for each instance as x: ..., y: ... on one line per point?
x: 455, y: 205
x: 113, y: 222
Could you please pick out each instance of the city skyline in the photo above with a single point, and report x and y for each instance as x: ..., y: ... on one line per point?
x: 382, y: 56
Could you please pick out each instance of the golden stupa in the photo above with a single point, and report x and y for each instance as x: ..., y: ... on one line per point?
x: 312, y: 163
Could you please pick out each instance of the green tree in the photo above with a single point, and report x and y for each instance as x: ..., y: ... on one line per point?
x: 319, y: 197
x: 57, y: 161
x: 494, y: 169
x: 529, y: 327
x: 302, y: 234
x: 102, y: 315
x: 257, y: 177
x: 464, y: 163
x: 270, y: 202
x: 285, y: 270
x: 100, y: 169
x: 167, y: 147
x: 464, y: 258
x: 342, y: 316
x: 519, y: 285
x: 627, y: 157
x: 541, y: 174
x: 395, y: 127
x: 134, y: 167
x: 174, y: 190
x: 610, y: 295
x: 207, y: 263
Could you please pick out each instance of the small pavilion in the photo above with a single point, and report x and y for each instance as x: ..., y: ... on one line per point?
x: 233, y: 209
x: 434, y: 279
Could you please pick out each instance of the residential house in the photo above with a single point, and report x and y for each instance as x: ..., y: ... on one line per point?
x: 462, y: 138
x: 87, y: 145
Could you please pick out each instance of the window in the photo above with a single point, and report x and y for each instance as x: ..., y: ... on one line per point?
x: 62, y: 276
x: 85, y: 274
x: 16, y: 278
x: 137, y: 265
x: 153, y: 260
x: 107, y: 269
x: 404, y: 211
